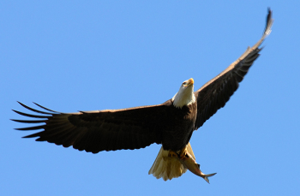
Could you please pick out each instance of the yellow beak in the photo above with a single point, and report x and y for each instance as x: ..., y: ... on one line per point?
x: 191, y: 81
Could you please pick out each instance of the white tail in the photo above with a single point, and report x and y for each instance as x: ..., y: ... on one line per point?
x: 168, y: 167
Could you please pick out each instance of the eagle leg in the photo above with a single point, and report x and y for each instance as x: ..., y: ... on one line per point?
x: 173, y: 154
x: 180, y: 154
x: 183, y: 153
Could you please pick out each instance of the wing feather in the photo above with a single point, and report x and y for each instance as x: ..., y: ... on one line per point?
x: 95, y: 131
x: 215, y: 93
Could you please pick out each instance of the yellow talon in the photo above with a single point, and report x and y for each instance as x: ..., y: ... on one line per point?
x: 182, y: 153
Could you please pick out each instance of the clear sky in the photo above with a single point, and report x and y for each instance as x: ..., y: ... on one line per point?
x: 93, y: 55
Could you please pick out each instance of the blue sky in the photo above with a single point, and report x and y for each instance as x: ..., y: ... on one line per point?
x: 76, y: 55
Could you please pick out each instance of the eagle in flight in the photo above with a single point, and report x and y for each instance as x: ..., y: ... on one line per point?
x: 170, y: 124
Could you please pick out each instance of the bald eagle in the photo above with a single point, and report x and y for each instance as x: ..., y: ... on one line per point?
x: 170, y: 124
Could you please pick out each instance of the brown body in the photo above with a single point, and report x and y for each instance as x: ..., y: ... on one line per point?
x: 180, y: 126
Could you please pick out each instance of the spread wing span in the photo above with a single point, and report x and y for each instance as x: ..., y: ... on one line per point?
x: 94, y: 131
x: 215, y: 93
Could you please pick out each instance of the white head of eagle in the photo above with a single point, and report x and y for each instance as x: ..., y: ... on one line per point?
x: 185, y: 95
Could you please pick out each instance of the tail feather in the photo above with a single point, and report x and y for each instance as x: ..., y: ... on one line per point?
x: 166, y: 167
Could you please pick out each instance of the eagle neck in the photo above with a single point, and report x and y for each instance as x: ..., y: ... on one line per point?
x: 184, y: 98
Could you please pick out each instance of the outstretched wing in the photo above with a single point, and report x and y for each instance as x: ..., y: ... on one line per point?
x: 215, y: 93
x: 96, y: 131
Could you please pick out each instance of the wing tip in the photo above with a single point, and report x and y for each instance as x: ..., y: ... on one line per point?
x: 269, y: 23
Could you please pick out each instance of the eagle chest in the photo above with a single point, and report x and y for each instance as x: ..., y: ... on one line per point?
x: 180, y: 128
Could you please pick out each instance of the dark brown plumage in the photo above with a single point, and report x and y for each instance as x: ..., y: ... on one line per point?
x: 131, y: 128
x: 215, y: 93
